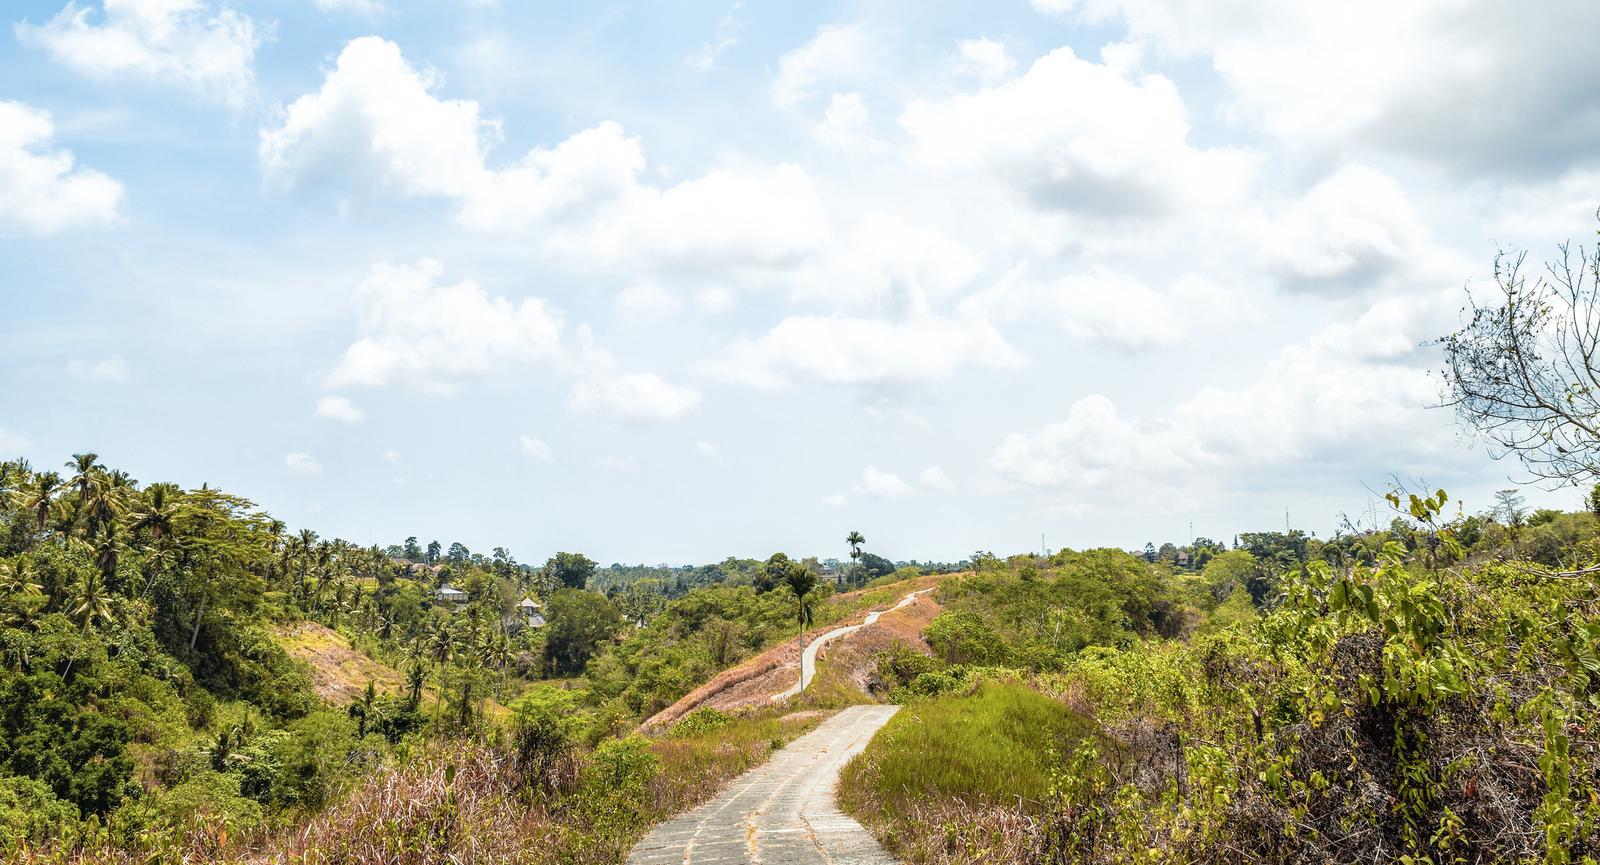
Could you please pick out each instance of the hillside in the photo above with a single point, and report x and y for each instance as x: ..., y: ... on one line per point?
x: 339, y: 674
x: 754, y: 682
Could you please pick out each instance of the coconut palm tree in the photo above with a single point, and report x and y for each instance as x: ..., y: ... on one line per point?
x: 157, y: 511
x: 42, y: 497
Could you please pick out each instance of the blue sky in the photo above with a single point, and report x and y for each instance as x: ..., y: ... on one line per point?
x: 668, y: 283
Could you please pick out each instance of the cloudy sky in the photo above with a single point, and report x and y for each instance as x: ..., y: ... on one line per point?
x: 668, y: 282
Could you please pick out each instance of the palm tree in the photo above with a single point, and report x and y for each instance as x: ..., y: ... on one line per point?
x: 855, y: 540
x: 800, y: 581
x: 41, y: 499
x: 158, y: 511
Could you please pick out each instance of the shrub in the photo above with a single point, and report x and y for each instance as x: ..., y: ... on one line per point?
x: 31, y: 813
x: 701, y: 720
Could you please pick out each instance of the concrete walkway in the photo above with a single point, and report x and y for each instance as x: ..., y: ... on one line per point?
x: 808, y: 658
x: 782, y: 813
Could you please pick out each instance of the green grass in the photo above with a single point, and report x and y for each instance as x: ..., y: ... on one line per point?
x: 990, y: 746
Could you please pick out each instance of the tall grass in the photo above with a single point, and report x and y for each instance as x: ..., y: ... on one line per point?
x: 993, y: 745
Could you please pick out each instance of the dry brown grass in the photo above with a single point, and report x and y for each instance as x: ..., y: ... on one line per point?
x: 339, y: 673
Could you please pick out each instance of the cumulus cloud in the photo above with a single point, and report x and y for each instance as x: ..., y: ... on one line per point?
x: 707, y: 449
x: 302, y: 463
x: 375, y: 121
x: 984, y: 59
x: 1353, y: 394
x: 340, y: 409
x: 110, y: 369
x: 884, y: 485
x: 1434, y: 78
x: 865, y: 352
x: 1076, y: 136
x: 1355, y: 230
x: 1101, y: 305
x: 418, y: 332
x: 838, y: 52
x: 535, y: 448
x: 633, y: 395
x: 847, y: 127
x: 934, y: 478
x: 41, y: 192
x: 190, y: 43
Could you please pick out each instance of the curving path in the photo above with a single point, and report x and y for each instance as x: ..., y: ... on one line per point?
x: 781, y: 813
x: 808, y: 658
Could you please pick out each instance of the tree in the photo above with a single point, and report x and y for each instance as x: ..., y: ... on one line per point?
x: 569, y: 570
x: 1524, y: 371
x: 801, y: 581
x: 855, y: 540
x: 875, y: 566
x: 432, y: 556
x: 580, y: 623
x: 1509, y: 508
x: 413, y: 550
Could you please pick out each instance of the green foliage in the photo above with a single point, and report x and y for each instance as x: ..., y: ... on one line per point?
x: 992, y: 745
x: 700, y: 721
x: 30, y: 813
x: 580, y: 623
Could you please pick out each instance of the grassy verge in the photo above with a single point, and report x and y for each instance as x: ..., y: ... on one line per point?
x: 964, y: 777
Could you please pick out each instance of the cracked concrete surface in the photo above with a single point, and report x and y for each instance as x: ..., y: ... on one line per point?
x: 782, y: 813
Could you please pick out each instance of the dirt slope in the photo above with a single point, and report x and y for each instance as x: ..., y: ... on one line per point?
x: 339, y: 673
x: 753, y: 682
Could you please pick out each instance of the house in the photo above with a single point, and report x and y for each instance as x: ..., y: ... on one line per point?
x: 448, y: 594
x: 528, y: 610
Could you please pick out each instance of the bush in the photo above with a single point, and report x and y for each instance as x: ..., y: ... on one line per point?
x: 31, y: 813
x: 701, y: 720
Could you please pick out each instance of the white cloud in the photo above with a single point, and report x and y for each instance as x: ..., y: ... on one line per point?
x: 391, y: 456
x: 302, y: 463
x: 1434, y: 78
x: 417, y: 332
x: 535, y: 447
x: 835, y: 500
x: 634, y: 396
x: 340, y: 409
x: 375, y: 119
x: 724, y: 37
x: 934, y: 478
x: 1351, y: 395
x: 865, y: 352
x: 364, y: 8
x: 707, y: 449
x: 984, y: 59
x: 647, y: 300
x: 1541, y: 213
x: 1101, y: 304
x: 186, y: 42
x: 376, y: 122
x: 837, y: 52
x: 1353, y: 231
x: 41, y: 192
x: 847, y: 127
x: 886, y: 264
x: 884, y: 485
x: 110, y: 369
x: 1076, y: 136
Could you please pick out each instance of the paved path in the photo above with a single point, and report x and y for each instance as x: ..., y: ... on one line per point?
x: 808, y: 658
x: 782, y: 813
